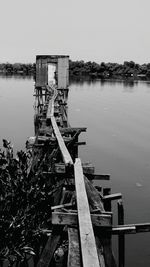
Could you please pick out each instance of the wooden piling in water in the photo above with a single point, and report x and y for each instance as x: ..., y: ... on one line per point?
x: 121, y: 237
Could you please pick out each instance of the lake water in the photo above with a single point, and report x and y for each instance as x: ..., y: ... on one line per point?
x: 117, y: 117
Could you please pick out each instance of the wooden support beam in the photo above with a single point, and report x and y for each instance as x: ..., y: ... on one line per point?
x: 121, y: 238
x: 74, y: 258
x: 63, y: 218
x: 130, y: 229
x: 107, y: 251
x: 97, y: 176
x: 107, y: 204
x: 94, y: 197
x: 80, y: 144
x: 88, y: 168
x: 72, y: 130
x: 61, y: 206
x: 68, y: 130
x: 96, y: 203
x: 113, y: 196
x: 87, y: 239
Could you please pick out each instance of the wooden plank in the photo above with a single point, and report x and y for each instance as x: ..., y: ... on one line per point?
x: 67, y: 130
x: 107, y: 241
x: 61, y: 206
x: 49, y: 109
x: 64, y: 151
x: 96, y: 203
x: 74, y: 259
x: 125, y: 229
x: 87, y: 170
x: 87, y: 239
x: 131, y: 228
x: 97, y: 176
x: 60, y: 168
x: 72, y: 129
x: 113, y: 196
x: 142, y: 227
x: 107, y: 204
x: 63, y: 218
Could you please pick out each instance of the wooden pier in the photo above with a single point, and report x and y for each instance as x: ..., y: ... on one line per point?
x: 80, y: 219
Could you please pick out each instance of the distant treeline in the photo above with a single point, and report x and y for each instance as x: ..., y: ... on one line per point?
x: 90, y: 69
x: 17, y: 68
x: 105, y: 70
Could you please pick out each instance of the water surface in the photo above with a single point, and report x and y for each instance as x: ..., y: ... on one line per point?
x: 16, y: 109
x: 117, y: 117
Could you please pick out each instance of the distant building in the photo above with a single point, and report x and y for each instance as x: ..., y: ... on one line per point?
x: 51, y: 69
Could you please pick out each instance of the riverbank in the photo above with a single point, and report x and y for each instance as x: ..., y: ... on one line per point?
x: 17, y: 68
x: 109, y: 70
x: 81, y: 69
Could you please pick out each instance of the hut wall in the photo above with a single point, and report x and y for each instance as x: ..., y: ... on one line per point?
x: 63, y: 72
x: 49, y: 67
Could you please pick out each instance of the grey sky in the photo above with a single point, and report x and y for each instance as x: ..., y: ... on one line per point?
x: 95, y: 30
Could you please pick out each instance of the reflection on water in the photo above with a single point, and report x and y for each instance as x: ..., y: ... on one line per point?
x: 16, y: 109
x: 15, y: 76
x: 116, y: 114
x: 129, y: 82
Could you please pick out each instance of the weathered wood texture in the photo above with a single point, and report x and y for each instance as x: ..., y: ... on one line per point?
x: 74, y: 256
x: 93, y: 196
x: 121, y: 237
x: 95, y: 201
x: 88, y: 245
x: 100, y: 252
x: 64, y: 151
x: 112, y: 196
x: 62, y: 218
x: 131, y: 228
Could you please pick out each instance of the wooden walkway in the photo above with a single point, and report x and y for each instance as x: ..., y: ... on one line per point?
x: 81, y: 215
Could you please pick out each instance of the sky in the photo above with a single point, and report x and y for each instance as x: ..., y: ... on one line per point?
x: 89, y: 30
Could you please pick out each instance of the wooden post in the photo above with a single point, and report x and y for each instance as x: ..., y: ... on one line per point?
x: 107, y: 204
x: 107, y: 241
x: 121, y: 237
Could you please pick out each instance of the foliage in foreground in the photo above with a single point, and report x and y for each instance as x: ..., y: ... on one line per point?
x: 24, y: 208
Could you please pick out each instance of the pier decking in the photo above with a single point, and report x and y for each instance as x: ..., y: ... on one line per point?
x: 81, y: 220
